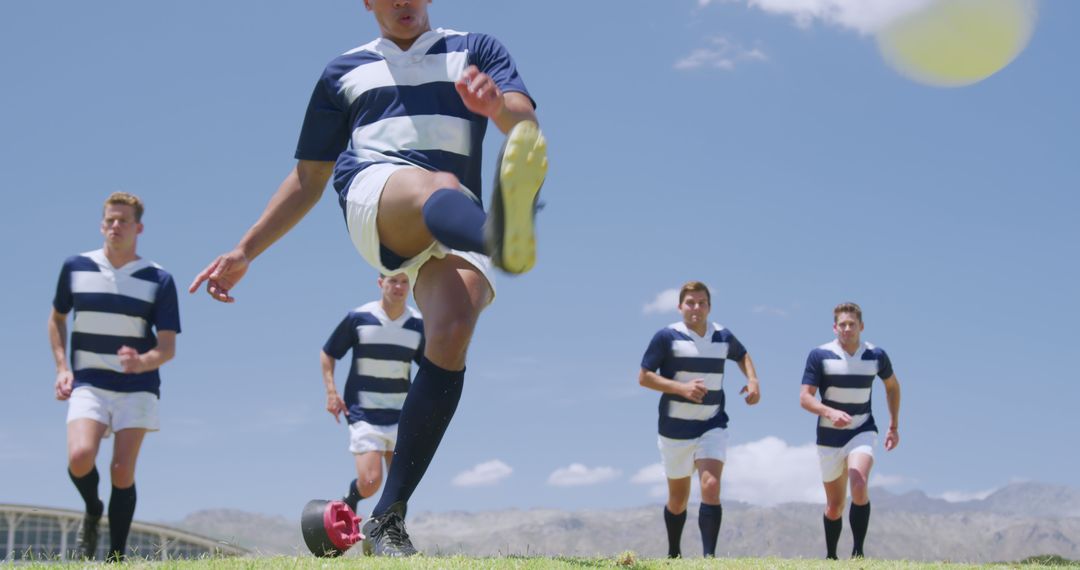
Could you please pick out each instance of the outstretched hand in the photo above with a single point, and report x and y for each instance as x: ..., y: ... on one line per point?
x: 479, y: 92
x: 222, y: 275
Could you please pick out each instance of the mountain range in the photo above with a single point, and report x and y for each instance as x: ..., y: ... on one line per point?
x: 1015, y: 522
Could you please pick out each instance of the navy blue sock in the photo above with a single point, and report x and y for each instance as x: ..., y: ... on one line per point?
x: 121, y: 511
x: 455, y: 220
x: 708, y: 520
x: 87, y: 486
x: 859, y: 515
x: 433, y: 399
x: 832, y: 536
x: 353, y: 496
x: 674, y: 524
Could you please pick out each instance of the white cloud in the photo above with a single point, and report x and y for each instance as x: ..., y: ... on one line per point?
x: 764, y: 472
x: 722, y: 53
x: 577, y: 474
x: 863, y: 16
x: 961, y: 496
x: 774, y: 311
x: 886, y: 480
x: 769, y: 471
x: 649, y: 475
x: 487, y: 473
x: 666, y: 301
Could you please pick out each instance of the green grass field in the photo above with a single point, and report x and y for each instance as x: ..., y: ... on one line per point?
x: 626, y: 560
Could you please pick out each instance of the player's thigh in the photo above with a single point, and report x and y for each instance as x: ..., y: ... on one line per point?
x: 400, y: 217
x: 127, y: 444
x: 709, y: 470
x: 450, y: 286
x: 451, y: 293
x: 84, y: 437
x: 836, y: 492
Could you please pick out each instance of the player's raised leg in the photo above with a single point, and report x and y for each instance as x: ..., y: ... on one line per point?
x: 417, y: 207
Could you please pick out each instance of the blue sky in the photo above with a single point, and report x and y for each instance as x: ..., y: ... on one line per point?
x: 762, y: 147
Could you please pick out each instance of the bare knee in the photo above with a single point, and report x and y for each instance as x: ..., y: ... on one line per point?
x: 369, y: 482
x: 81, y: 459
x: 834, y: 511
x: 710, y: 489
x: 441, y: 180
x: 677, y: 505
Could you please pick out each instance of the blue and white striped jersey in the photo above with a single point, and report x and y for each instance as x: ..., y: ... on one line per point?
x: 844, y: 382
x: 114, y: 307
x: 383, y: 350
x: 679, y: 354
x: 379, y: 104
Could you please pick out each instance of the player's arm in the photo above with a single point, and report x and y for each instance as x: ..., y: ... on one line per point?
x: 809, y: 402
x: 334, y: 404
x: 694, y: 390
x: 134, y: 363
x: 58, y: 341
x: 482, y: 96
x: 298, y: 193
x: 892, y: 396
x: 752, y: 388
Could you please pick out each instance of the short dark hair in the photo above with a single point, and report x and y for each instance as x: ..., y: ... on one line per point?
x: 694, y: 286
x: 125, y: 199
x: 847, y: 307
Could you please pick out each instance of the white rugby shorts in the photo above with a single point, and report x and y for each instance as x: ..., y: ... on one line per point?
x: 834, y: 459
x: 365, y: 437
x: 117, y: 410
x: 361, y: 212
x: 679, y: 455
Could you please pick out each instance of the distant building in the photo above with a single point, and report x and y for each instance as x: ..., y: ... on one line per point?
x: 28, y: 532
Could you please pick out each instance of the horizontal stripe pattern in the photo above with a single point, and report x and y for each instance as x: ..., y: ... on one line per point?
x: 112, y: 324
x: 426, y: 132
x: 380, y: 104
x: 382, y: 368
x: 845, y: 383
x: 712, y: 381
x: 679, y: 354
x: 846, y: 395
x: 82, y: 360
x: 389, y: 335
x: 431, y: 68
x: 383, y: 351
x: 97, y: 282
x: 115, y: 307
x: 691, y: 411
x: 382, y: 400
